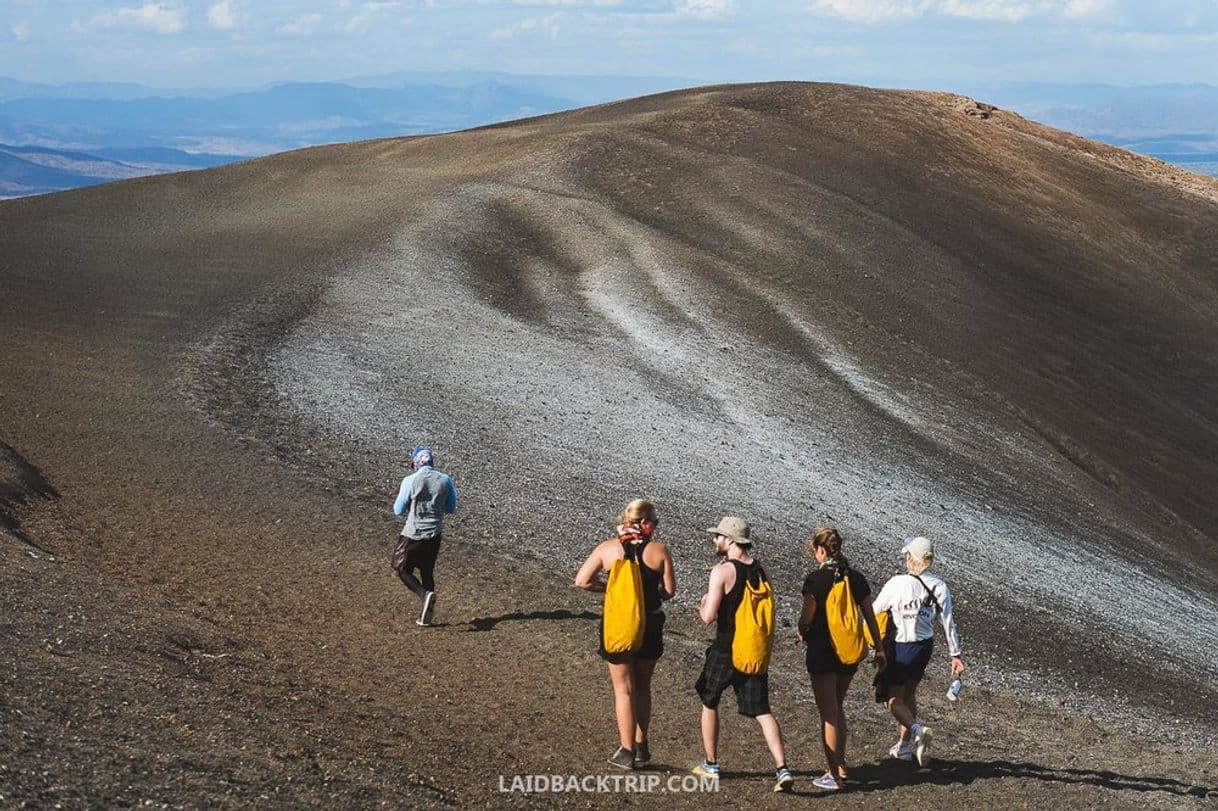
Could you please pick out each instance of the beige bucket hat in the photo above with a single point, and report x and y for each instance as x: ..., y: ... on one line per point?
x: 732, y: 527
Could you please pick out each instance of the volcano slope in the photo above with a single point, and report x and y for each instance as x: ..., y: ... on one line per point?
x: 895, y: 313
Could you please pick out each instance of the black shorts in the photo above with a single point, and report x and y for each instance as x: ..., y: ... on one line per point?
x: 823, y: 659
x: 651, y: 649
x: 907, y: 662
x: 752, y: 692
x: 415, y: 553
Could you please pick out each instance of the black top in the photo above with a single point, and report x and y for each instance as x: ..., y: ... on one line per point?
x: 726, y: 619
x: 818, y: 583
x: 651, y: 578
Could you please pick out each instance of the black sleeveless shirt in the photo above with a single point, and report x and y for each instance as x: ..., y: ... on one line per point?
x: 726, y: 619
x: 651, y: 578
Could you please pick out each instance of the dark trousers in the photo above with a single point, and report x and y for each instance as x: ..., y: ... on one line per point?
x: 411, y: 554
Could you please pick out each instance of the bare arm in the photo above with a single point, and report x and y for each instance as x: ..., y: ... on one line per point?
x: 708, y: 609
x: 873, y: 626
x: 586, y: 578
x: 668, y: 583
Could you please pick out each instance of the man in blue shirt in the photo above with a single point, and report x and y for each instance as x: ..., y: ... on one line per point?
x: 424, y: 498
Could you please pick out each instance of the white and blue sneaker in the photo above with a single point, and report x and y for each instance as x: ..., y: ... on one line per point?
x: 921, y: 743
x: 827, y: 782
x: 705, y: 769
x: 783, y: 780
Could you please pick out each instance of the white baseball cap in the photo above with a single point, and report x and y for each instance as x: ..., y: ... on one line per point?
x: 919, y: 548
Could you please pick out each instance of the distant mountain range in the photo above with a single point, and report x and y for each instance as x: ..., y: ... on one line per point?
x: 26, y: 170
x: 55, y: 137
x: 1177, y: 123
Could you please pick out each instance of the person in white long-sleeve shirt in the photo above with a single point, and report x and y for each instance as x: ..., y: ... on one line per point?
x: 914, y: 601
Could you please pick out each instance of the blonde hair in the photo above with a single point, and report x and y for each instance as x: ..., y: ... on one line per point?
x: 636, y: 512
x: 916, y: 566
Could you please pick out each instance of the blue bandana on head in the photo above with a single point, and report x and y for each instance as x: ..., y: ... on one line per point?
x: 421, y: 456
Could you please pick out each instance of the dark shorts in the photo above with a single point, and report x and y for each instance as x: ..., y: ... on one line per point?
x: 651, y: 649
x: 752, y: 692
x: 822, y: 659
x: 907, y: 662
x: 415, y: 553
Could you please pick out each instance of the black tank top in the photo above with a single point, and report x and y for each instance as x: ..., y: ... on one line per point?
x: 651, y: 578
x: 726, y: 628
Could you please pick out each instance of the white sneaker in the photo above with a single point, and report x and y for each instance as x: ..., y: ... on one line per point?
x: 901, y: 751
x: 921, y: 743
x: 827, y: 782
x: 429, y: 604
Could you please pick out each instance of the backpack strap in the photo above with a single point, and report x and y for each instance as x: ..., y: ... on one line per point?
x: 930, y: 592
x: 633, y: 550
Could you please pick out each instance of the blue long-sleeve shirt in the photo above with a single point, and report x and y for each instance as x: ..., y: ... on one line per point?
x: 424, y: 498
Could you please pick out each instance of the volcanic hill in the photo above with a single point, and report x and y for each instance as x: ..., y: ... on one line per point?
x: 896, y: 313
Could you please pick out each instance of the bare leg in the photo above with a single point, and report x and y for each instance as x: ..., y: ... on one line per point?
x: 900, y: 712
x: 643, y: 670
x: 824, y: 687
x: 843, y: 727
x: 623, y: 701
x: 904, y: 707
x: 710, y: 733
x: 773, y: 738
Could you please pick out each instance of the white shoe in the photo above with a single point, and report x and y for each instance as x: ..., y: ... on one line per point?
x: 429, y: 604
x: 921, y: 743
x: 901, y: 751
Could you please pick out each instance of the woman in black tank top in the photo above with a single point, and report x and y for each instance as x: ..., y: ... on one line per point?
x: 631, y: 672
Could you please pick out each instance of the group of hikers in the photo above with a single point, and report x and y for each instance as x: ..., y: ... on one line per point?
x: 839, y: 622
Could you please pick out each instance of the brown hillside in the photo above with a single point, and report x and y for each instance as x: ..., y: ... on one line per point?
x: 898, y: 313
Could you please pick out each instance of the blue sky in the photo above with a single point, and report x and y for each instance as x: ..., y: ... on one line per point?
x: 186, y: 43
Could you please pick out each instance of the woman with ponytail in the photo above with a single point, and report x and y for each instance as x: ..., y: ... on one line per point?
x: 631, y: 672
x: 830, y: 675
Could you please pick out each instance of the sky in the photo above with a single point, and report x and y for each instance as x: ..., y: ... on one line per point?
x: 247, y: 43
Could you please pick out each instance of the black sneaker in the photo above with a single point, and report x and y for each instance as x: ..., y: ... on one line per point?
x: 623, y: 758
x: 642, y: 753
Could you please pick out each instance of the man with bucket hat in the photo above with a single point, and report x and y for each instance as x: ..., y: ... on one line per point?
x: 424, y: 498
x: 724, y: 595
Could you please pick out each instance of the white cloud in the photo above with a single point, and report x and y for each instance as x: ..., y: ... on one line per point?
x: 157, y: 17
x: 1008, y: 11
x: 545, y: 25
x: 362, y: 20
x: 702, y: 8
x: 21, y: 30
x: 301, y: 26
x: 223, y: 15
x: 358, y: 23
x: 1078, y: 9
x: 871, y: 11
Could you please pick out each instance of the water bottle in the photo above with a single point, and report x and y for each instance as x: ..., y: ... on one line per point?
x: 953, y: 690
